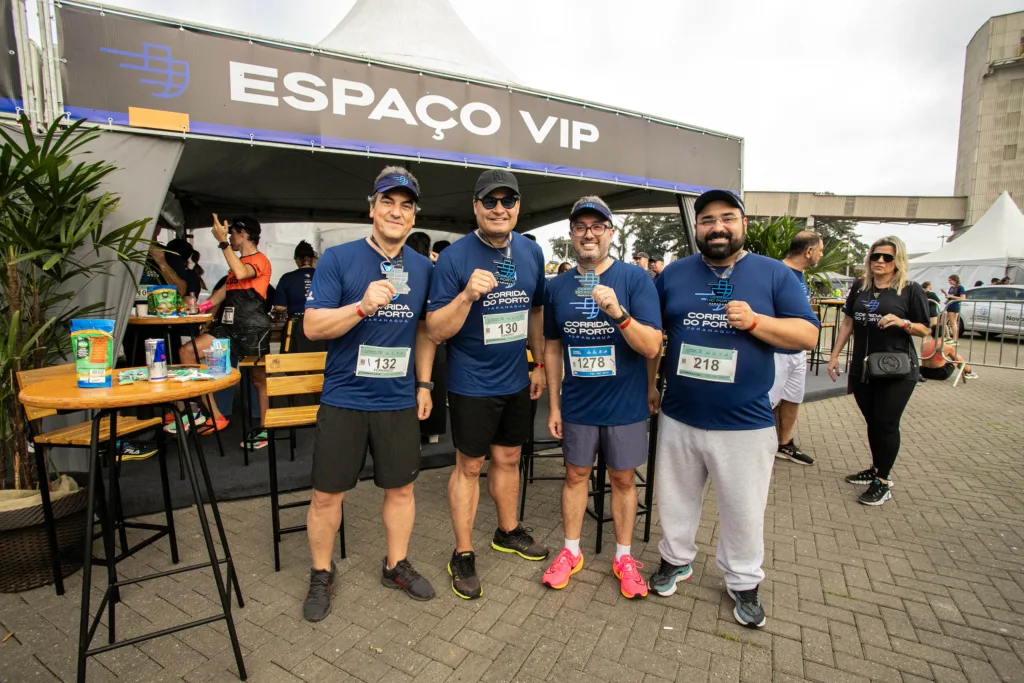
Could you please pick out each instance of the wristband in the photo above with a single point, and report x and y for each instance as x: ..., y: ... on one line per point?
x: 538, y: 365
x: 751, y: 328
x: 223, y: 245
x: 429, y: 386
x: 906, y: 325
x: 626, y: 323
x: 359, y: 311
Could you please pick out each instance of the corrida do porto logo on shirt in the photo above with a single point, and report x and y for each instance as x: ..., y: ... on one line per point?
x: 720, y: 294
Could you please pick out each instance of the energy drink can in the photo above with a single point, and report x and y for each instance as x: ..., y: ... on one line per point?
x: 156, y: 359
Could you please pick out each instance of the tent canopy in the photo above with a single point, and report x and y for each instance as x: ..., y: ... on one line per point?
x: 992, y: 247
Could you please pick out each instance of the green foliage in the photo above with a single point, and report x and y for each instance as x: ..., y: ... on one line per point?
x: 561, y: 248
x: 51, y: 237
x: 840, y: 233
x: 652, y: 233
x: 771, y: 238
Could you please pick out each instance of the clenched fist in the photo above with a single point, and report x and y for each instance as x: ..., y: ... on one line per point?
x: 739, y: 315
x: 606, y: 300
x: 480, y: 283
x: 378, y: 294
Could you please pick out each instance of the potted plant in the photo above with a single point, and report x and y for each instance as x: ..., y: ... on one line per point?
x: 52, y: 236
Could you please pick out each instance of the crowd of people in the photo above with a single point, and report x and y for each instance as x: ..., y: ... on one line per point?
x: 727, y: 331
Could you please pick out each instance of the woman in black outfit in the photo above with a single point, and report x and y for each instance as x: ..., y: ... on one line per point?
x: 883, y: 312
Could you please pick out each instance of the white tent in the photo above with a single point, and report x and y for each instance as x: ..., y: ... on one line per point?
x: 992, y: 247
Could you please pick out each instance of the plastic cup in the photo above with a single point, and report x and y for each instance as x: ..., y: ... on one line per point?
x: 216, y: 361
x: 141, y: 309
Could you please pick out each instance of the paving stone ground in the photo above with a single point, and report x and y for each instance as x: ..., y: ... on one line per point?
x: 929, y: 587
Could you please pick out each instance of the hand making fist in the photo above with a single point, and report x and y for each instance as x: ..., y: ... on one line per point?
x: 739, y: 315
x: 606, y: 300
x: 220, y: 230
x: 378, y: 294
x: 480, y: 283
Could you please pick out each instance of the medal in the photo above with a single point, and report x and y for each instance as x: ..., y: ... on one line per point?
x: 505, y: 273
x: 393, y: 270
x: 588, y: 307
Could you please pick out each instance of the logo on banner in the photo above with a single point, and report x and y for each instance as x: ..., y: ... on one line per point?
x: 720, y: 294
x: 170, y: 75
x: 588, y: 307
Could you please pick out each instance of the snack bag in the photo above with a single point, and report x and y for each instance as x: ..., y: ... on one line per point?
x: 92, y: 341
x: 165, y: 302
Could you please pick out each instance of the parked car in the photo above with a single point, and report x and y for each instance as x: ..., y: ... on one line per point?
x: 994, y: 309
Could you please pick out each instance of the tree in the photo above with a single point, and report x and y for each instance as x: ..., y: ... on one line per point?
x: 837, y: 233
x: 561, y: 249
x: 653, y: 233
x: 771, y: 238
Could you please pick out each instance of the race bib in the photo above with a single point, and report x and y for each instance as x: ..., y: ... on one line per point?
x: 228, y: 317
x: 708, y: 364
x: 592, y: 361
x: 382, y: 361
x: 502, y: 328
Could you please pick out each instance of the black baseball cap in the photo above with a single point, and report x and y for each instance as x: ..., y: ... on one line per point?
x: 717, y: 196
x: 493, y: 179
x: 250, y: 225
x: 180, y: 247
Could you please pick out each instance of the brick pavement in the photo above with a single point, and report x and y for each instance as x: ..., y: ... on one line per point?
x: 928, y: 587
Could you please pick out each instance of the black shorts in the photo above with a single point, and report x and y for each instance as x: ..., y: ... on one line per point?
x: 940, y: 374
x: 342, y: 437
x: 245, y: 341
x: 480, y: 421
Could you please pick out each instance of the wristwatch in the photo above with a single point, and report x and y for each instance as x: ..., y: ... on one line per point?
x: 622, y: 318
x: 223, y: 245
x: 429, y: 386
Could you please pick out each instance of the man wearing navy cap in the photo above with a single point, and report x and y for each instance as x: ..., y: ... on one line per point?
x: 601, y: 324
x: 367, y: 299
x: 725, y: 311
x: 486, y: 300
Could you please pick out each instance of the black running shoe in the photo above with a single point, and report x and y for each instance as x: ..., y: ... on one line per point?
x: 403, y: 576
x: 876, y: 494
x: 520, y: 542
x: 863, y: 478
x: 748, y: 610
x: 136, y: 450
x: 792, y: 452
x: 462, y: 568
x: 318, y: 600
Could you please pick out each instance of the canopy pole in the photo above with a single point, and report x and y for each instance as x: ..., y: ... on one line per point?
x: 684, y: 216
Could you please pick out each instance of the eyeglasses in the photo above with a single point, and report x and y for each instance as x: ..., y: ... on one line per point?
x: 878, y: 256
x: 580, y: 229
x: 727, y: 220
x: 491, y: 202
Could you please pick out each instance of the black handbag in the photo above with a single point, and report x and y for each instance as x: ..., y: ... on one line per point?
x: 884, y: 364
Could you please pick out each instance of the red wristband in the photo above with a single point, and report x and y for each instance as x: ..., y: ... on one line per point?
x: 538, y: 365
x: 625, y: 323
x: 751, y: 328
x: 359, y: 311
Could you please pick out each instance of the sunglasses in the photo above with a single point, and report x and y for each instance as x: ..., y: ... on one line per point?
x: 491, y: 202
x: 888, y: 258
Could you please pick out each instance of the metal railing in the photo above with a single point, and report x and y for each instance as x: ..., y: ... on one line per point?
x: 993, y: 333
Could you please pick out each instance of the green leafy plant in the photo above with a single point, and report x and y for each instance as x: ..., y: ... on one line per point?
x: 52, y: 238
x: 771, y: 238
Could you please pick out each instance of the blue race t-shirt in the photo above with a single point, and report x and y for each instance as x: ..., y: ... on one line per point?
x: 293, y: 290
x: 957, y: 290
x: 490, y: 361
x: 693, y: 302
x: 341, y: 278
x: 802, y: 279
x: 591, y: 344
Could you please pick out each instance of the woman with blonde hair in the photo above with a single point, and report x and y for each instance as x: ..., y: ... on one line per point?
x: 882, y: 313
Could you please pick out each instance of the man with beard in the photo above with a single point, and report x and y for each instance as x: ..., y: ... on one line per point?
x: 601, y: 323
x: 486, y: 300
x: 787, y: 393
x: 726, y: 311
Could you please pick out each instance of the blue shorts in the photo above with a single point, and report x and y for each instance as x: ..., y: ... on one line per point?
x: 624, y: 446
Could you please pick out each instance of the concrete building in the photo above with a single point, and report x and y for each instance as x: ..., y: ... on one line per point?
x: 990, y: 156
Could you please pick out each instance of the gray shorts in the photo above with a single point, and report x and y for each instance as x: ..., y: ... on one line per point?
x: 624, y: 446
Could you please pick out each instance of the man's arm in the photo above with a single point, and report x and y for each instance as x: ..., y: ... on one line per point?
x: 795, y: 334
x: 331, y: 323
x: 166, y: 271
x: 653, y: 395
x: 644, y: 339
x: 241, y: 271
x: 424, y: 357
x: 535, y: 338
x: 445, y: 322
x: 553, y: 372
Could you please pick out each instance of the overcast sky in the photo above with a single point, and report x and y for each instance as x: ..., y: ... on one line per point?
x: 830, y: 97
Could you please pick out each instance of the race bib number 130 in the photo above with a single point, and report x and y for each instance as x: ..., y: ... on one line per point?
x: 502, y: 328
x: 706, y: 363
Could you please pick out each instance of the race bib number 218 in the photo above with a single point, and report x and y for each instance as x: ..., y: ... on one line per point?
x: 707, y: 363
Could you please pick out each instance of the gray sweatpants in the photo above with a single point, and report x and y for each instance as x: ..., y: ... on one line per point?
x: 740, y: 464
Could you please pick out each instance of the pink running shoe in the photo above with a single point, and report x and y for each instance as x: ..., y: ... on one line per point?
x: 631, y: 583
x: 564, y: 566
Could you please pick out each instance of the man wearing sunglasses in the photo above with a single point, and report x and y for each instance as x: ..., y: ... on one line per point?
x: 486, y: 300
x: 601, y: 324
x: 725, y: 311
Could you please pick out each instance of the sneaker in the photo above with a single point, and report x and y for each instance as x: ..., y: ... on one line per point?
x: 257, y: 440
x: 318, y: 600
x: 971, y: 375
x: 748, y: 610
x: 564, y: 566
x: 462, y: 569
x: 792, y: 452
x: 520, y: 542
x: 403, y: 576
x: 663, y: 582
x: 876, y: 494
x: 218, y: 425
x: 631, y: 584
x: 197, y: 417
x: 135, y: 450
x: 863, y: 477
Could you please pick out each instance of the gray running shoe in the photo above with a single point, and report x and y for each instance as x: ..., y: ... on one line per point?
x: 403, y: 576
x: 663, y: 582
x: 318, y: 600
x: 748, y: 611
x: 462, y: 569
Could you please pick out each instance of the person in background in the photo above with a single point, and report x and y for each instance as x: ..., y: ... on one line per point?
x: 954, y: 295
x: 642, y: 259
x: 420, y: 243
x: 564, y: 266
x: 437, y: 423
x: 530, y: 237
x: 1005, y: 281
x: 993, y: 281
x: 935, y: 307
x: 440, y: 246
x: 657, y: 265
x: 198, y: 270
x: 293, y: 287
x: 940, y: 366
x: 882, y: 314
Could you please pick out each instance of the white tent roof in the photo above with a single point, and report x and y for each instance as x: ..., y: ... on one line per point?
x: 426, y: 33
x: 997, y: 238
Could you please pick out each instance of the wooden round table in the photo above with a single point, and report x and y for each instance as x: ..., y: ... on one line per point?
x: 200, y: 319
x: 63, y: 393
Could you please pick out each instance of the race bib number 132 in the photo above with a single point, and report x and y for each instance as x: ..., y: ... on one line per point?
x: 382, y: 361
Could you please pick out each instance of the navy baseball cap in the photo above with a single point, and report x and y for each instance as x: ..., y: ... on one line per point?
x: 717, y: 196
x: 592, y: 206
x: 397, y: 181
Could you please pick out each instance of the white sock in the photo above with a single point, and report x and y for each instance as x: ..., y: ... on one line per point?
x: 621, y: 550
x: 573, y: 546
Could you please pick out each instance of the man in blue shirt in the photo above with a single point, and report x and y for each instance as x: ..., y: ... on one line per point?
x: 725, y: 311
x: 486, y: 299
x: 787, y: 393
x: 368, y: 298
x: 601, y: 324
x: 293, y: 287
